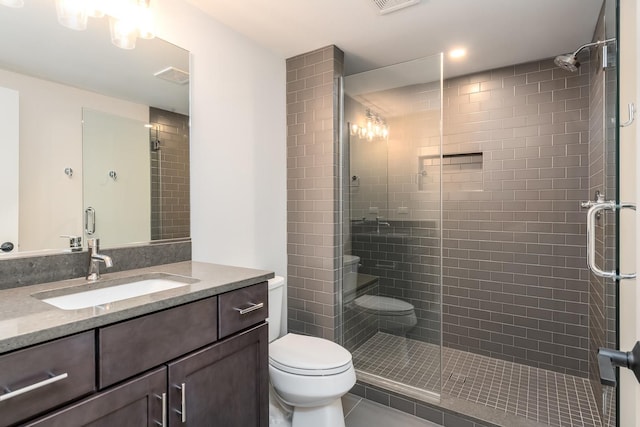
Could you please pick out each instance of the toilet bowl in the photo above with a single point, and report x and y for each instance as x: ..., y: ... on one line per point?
x: 395, y: 315
x: 308, y: 374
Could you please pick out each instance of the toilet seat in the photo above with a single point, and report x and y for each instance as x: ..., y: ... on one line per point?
x: 384, y: 305
x: 308, y: 356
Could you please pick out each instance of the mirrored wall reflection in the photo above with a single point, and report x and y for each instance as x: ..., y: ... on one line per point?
x: 170, y: 212
x: 392, y: 271
x: 55, y: 82
x: 135, y: 177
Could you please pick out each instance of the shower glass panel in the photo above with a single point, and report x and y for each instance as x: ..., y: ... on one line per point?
x: 393, y: 164
x: 607, y: 71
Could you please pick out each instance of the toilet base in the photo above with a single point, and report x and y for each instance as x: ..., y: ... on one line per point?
x: 330, y: 415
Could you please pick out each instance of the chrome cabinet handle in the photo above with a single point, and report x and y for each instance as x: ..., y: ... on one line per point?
x: 32, y: 387
x: 90, y: 213
x: 183, y: 403
x: 594, y: 209
x: 163, y: 423
x: 252, y: 307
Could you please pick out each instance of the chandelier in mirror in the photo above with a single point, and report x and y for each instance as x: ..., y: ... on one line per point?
x: 128, y: 19
x: 375, y: 127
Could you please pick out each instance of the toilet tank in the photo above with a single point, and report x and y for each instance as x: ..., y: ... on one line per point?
x: 276, y: 298
x: 350, y: 277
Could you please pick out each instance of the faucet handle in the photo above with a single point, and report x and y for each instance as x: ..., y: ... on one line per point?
x: 75, y: 242
x: 93, y: 243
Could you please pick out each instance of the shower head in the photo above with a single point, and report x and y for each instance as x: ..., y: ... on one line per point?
x: 569, y: 61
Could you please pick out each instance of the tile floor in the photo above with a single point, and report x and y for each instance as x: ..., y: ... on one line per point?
x: 364, y: 413
x: 540, y: 395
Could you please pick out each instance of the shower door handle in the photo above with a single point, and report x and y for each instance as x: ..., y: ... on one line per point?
x: 594, y: 209
x: 90, y: 218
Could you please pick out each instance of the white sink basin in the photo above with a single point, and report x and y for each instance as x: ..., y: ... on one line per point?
x: 87, y: 296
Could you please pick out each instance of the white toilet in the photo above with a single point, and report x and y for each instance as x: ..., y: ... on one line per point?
x: 308, y: 374
x: 395, y: 315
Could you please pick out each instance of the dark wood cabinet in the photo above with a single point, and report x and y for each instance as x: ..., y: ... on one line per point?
x: 166, y: 365
x: 136, y: 403
x: 37, y: 379
x: 133, y: 346
x: 225, y: 384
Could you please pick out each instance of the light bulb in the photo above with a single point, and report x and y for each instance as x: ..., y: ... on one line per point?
x: 72, y: 14
x: 124, y: 32
x: 145, y: 20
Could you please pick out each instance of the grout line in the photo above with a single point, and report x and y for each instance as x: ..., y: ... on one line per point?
x: 508, y: 387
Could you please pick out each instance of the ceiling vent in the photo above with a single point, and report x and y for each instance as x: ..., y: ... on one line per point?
x: 173, y: 75
x: 388, y: 6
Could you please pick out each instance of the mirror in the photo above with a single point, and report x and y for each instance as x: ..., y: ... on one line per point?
x: 53, y: 78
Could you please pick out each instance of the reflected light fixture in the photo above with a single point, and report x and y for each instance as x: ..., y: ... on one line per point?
x: 128, y: 19
x: 375, y: 128
x: 72, y: 14
x: 12, y: 3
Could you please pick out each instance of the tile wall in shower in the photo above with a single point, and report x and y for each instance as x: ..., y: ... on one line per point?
x: 170, y: 196
x: 515, y: 284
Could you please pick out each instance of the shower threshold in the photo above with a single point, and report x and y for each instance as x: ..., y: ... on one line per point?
x: 495, y: 391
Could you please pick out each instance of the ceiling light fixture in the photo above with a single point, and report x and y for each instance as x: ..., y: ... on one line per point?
x: 457, y: 53
x: 128, y: 19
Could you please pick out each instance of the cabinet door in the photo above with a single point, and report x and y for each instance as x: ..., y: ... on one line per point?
x: 225, y: 384
x: 136, y: 403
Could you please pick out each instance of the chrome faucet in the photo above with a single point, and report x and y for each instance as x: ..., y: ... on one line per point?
x: 95, y: 257
x: 379, y: 223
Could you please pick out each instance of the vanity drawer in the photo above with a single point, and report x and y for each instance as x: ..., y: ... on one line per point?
x: 49, y: 375
x: 242, y: 308
x: 128, y: 348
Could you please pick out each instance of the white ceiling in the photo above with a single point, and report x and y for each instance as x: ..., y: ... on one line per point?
x: 494, y: 32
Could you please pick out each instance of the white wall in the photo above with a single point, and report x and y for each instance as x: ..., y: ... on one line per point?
x: 238, y: 142
x: 118, y: 144
x: 50, y: 202
x: 629, y: 162
x: 9, y: 147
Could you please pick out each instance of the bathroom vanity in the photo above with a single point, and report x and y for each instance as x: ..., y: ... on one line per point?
x: 191, y: 356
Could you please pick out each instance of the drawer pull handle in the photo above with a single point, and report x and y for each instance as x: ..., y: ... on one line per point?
x: 164, y: 409
x: 32, y: 387
x: 183, y: 412
x: 163, y: 398
x: 252, y: 307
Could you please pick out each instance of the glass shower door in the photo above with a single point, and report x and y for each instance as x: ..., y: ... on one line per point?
x: 392, y: 220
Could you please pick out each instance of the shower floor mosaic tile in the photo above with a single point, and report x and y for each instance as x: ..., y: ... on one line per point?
x: 540, y: 395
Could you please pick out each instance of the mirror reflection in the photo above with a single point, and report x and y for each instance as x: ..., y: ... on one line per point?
x: 47, y: 89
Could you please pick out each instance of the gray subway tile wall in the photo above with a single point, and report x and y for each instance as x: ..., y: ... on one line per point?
x: 170, y: 196
x: 514, y: 282
x: 313, y: 246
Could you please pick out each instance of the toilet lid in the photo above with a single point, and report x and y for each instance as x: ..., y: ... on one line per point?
x: 304, y: 355
x: 391, y: 306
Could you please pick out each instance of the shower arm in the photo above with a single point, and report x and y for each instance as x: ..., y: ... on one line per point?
x: 597, y: 43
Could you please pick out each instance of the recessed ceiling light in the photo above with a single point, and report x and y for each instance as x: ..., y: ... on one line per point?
x: 457, y: 53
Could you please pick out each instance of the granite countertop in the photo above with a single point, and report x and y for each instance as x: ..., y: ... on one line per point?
x: 26, y: 320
